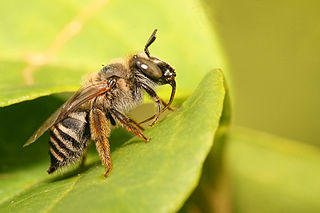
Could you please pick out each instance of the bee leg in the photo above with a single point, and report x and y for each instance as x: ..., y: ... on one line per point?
x: 100, y: 131
x: 83, y: 160
x: 84, y: 155
x: 157, y: 100
x: 129, y: 124
x: 112, y: 121
x: 164, y: 104
x: 152, y: 117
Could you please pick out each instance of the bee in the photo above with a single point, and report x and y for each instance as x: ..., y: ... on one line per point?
x: 101, y: 102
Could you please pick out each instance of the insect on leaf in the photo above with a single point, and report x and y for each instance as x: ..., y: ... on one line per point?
x: 147, y: 177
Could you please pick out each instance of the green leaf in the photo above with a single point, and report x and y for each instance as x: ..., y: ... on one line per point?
x: 272, y: 174
x: 211, y: 194
x: 46, y: 47
x: 147, y: 177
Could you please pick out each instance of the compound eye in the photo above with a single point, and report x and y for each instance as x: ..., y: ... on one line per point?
x: 150, y: 69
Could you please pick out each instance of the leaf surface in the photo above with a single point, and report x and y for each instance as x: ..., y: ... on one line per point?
x: 146, y: 177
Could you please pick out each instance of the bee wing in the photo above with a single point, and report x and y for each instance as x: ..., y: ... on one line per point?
x: 84, y: 94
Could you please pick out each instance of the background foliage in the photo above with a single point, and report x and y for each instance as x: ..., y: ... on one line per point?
x: 269, y: 58
x: 62, y: 43
x: 273, y: 52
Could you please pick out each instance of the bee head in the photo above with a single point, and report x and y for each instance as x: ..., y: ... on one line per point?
x: 157, y: 70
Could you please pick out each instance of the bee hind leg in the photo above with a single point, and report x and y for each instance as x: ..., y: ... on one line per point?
x: 100, y: 131
x: 130, y: 124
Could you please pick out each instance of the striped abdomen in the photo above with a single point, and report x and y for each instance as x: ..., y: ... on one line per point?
x: 68, y: 140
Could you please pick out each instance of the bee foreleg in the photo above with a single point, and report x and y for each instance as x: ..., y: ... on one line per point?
x: 100, y: 131
x: 164, y: 104
x: 157, y: 100
x: 129, y: 124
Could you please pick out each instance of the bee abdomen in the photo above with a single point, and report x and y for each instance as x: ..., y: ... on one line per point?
x: 68, y: 140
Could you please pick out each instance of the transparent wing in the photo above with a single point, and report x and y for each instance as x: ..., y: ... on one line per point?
x: 84, y: 94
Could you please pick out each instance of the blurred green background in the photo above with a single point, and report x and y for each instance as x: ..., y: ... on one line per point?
x: 273, y: 51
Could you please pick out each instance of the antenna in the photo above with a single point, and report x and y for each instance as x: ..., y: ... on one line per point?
x: 149, y: 42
